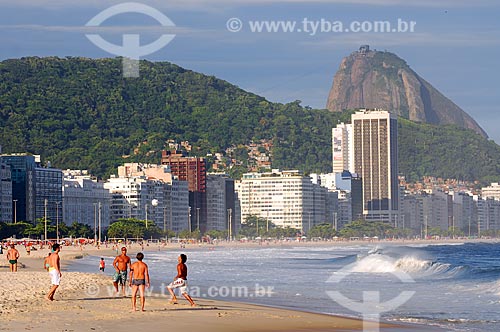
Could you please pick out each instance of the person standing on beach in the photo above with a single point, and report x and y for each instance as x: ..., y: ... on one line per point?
x: 121, y: 265
x: 12, y: 257
x: 102, y: 265
x: 54, y: 270
x: 139, y: 280
x: 180, y: 281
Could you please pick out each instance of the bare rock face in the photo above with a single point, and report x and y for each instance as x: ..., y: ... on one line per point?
x: 372, y: 79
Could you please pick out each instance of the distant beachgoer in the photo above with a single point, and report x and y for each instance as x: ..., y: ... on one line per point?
x: 121, y: 265
x: 12, y: 257
x: 28, y: 249
x: 139, y: 280
x: 54, y: 270
x: 46, y: 263
x: 102, y: 265
x: 180, y: 281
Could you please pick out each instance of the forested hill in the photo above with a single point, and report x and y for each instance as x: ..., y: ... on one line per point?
x: 81, y: 113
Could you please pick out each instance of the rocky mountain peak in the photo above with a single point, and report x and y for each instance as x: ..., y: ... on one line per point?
x: 373, y: 79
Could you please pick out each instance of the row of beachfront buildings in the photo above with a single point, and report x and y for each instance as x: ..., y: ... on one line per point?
x: 179, y: 193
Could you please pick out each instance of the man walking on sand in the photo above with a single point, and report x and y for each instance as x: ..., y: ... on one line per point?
x: 180, y: 281
x: 139, y: 280
x: 121, y: 265
x: 12, y: 257
x: 54, y: 270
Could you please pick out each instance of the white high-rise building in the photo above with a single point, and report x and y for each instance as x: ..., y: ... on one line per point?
x: 285, y: 198
x: 342, y: 148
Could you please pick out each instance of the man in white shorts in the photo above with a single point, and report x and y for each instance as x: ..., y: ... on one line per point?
x: 54, y: 271
x: 180, y: 281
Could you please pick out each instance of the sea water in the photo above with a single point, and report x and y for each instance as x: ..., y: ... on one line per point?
x: 456, y: 287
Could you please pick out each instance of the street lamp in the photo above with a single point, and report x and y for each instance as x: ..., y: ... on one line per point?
x: 99, y: 222
x: 469, y: 227
x: 154, y: 203
x: 171, y: 227
x: 165, y: 220
x: 267, y: 222
x: 189, y: 219
x: 230, y: 228
x: 453, y: 226
x: 95, y: 223
x: 198, y: 218
x: 15, y: 210
x: 426, y: 226
x: 57, y: 221
x: 45, y: 218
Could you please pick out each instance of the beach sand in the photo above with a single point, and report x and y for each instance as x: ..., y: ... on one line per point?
x: 86, y: 302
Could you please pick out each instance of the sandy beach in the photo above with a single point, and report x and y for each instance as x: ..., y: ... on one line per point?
x: 86, y: 302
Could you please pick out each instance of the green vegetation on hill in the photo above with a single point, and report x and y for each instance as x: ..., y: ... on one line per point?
x: 447, y: 151
x: 81, y: 113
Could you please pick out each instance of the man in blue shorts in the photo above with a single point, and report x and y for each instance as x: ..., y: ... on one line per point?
x: 121, y: 265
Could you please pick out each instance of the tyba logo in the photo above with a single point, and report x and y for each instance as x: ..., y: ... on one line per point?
x: 131, y: 48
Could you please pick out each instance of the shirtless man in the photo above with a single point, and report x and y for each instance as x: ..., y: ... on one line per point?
x: 121, y: 265
x: 180, y: 281
x: 139, y: 280
x: 12, y: 257
x: 54, y: 270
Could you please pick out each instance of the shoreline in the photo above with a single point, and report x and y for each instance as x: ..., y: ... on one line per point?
x: 89, y: 310
x: 84, y: 310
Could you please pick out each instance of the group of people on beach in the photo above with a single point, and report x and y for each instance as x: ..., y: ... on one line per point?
x: 136, y: 273
x: 139, y: 277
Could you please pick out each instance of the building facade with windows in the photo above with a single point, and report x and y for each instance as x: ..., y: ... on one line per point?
x: 285, y: 198
x: 7, y: 204
x: 150, y: 192
x: 48, y: 193
x: 221, y: 203
x: 85, y: 200
x: 342, y: 148
x: 194, y: 171
x: 36, y: 190
x: 375, y: 154
x: 22, y: 168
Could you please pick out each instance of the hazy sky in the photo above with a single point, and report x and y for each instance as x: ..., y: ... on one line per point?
x: 455, y: 44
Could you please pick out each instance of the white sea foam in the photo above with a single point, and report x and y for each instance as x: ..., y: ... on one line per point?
x: 378, y: 263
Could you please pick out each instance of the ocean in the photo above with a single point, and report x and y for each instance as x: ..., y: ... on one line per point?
x: 452, y: 286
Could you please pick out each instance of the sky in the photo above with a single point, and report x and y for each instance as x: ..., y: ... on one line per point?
x: 453, y: 44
